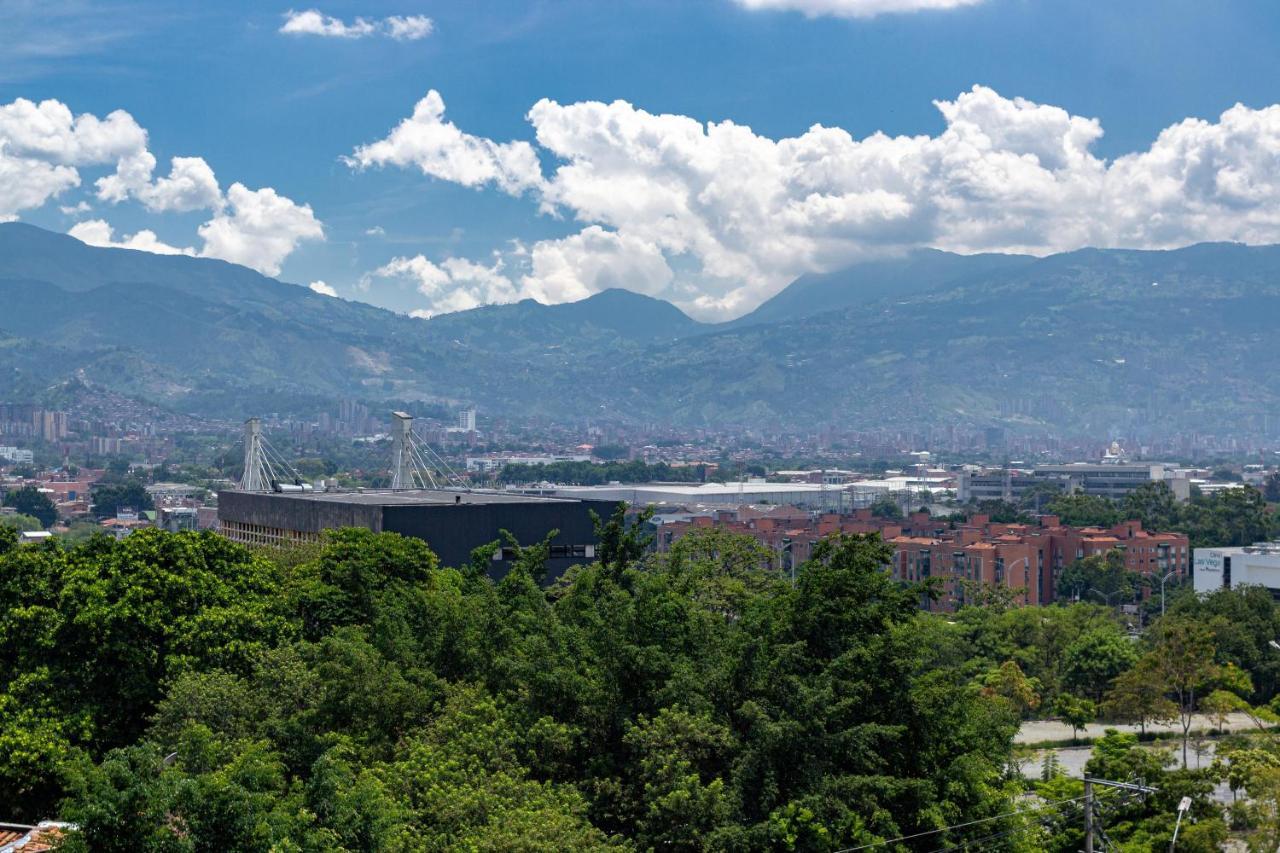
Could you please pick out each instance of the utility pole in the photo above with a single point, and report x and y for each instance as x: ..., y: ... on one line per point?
x: 1089, y: 828
x: 1088, y: 816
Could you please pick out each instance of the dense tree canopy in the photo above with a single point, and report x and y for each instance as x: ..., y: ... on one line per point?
x: 31, y: 502
x: 176, y: 692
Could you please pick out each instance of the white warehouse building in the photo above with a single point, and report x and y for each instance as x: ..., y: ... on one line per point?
x: 1228, y: 568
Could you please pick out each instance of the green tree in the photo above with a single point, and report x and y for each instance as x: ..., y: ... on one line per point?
x: 1154, y: 505
x: 1094, y: 660
x: 887, y: 508
x: 1076, y: 712
x: 1182, y: 659
x: 1098, y: 577
x: 20, y: 522
x: 1084, y: 510
x: 110, y: 498
x: 30, y: 501
x: 1138, y: 696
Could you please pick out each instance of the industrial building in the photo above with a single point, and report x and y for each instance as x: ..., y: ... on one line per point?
x: 1105, y: 479
x: 452, y: 522
x: 1229, y: 568
x: 808, y: 495
x: 274, y: 507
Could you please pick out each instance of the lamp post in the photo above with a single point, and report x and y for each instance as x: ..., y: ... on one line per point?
x: 1106, y: 595
x: 1162, y: 580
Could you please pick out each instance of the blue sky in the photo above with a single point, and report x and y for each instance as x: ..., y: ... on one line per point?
x: 271, y: 109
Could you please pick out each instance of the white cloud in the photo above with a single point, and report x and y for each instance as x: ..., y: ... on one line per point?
x: 96, y: 232
x: 260, y: 230
x: 454, y: 284
x: 375, y: 231
x: 442, y: 151
x: 591, y: 261
x: 191, y: 184
x: 737, y: 215
x: 44, y: 146
x: 81, y: 206
x: 854, y: 8
x: 312, y: 22
x: 323, y: 289
x: 408, y: 27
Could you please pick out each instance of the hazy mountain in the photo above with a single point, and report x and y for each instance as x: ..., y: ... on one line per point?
x: 1084, y: 341
x: 918, y: 272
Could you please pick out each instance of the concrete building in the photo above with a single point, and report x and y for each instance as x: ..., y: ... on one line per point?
x: 1229, y: 568
x: 17, y: 456
x: 496, y: 461
x: 807, y: 495
x: 452, y: 522
x: 1107, y: 480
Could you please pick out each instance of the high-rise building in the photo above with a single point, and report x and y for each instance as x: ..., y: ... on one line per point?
x: 467, y: 420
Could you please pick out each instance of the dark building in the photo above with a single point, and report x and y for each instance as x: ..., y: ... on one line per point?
x: 451, y: 522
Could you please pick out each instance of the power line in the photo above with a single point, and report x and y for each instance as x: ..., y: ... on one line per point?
x: 1053, y: 803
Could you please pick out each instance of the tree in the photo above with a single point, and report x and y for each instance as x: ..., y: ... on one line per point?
x: 1136, y: 696
x: 30, y: 501
x: 1098, y: 577
x: 1182, y: 659
x: 1093, y: 661
x: 1076, y: 712
x: 1154, y: 505
x: 1271, y: 491
x: 1009, y: 683
x: 110, y: 498
x: 887, y: 508
x: 20, y: 522
x: 1083, y: 510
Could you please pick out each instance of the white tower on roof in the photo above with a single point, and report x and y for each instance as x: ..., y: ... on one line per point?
x: 402, y: 461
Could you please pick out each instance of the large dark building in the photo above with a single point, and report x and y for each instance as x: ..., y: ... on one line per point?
x: 451, y: 522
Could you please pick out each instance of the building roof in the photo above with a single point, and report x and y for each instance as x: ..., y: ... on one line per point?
x: 414, y: 497
x: 45, y: 835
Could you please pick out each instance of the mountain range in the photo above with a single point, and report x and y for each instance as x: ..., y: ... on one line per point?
x: 1082, y: 342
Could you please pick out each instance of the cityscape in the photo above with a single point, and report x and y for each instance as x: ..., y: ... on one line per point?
x: 796, y: 426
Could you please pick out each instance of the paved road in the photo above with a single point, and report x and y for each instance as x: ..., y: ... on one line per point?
x: 1040, y: 731
x: 1073, y: 758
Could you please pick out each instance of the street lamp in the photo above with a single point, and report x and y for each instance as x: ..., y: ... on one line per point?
x: 1162, y: 580
x: 1106, y: 595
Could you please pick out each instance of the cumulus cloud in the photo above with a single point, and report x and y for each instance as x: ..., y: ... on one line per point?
x: 854, y: 8
x: 44, y: 147
x: 439, y: 149
x: 593, y: 260
x: 259, y: 228
x: 323, y: 289
x: 454, y: 284
x: 96, y: 232
x: 737, y: 215
x: 312, y: 22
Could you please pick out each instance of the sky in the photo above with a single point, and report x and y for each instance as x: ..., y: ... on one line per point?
x: 433, y: 156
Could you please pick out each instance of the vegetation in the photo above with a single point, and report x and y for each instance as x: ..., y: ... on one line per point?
x: 596, y: 473
x: 30, y: 501
x: 180, y: 692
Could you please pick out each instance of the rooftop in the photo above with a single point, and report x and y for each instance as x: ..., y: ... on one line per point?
x: 414, y: 497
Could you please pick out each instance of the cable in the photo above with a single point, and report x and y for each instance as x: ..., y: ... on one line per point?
x: 1053, y: 803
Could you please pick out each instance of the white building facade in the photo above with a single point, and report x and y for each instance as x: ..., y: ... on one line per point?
x: 1228, y: 568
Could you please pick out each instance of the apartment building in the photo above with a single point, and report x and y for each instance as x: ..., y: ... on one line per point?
x: 1026, y: 559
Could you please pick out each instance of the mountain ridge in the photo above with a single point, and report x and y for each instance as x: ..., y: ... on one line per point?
x: 1090, y: 341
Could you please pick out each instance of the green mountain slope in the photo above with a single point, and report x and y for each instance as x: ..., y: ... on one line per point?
x: 1082, y: 342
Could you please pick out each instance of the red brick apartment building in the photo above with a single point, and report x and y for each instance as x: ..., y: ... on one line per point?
x: 1026, y: 558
